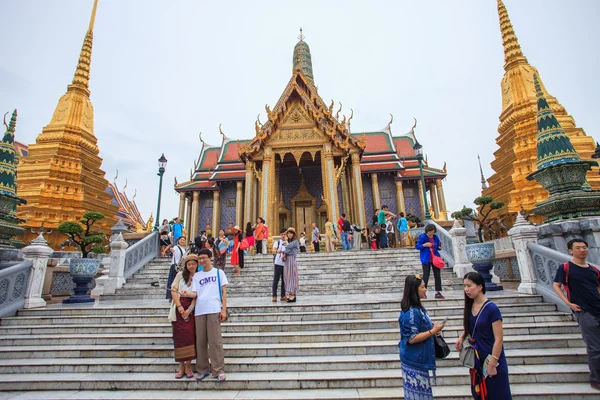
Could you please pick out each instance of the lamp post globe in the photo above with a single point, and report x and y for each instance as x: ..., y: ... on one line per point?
x: 162, y: 164
x: 418, y: 149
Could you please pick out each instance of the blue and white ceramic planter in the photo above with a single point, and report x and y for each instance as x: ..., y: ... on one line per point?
x: 83, y: 271
x: 480, y: 253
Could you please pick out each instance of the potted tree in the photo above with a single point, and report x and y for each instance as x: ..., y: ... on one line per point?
x: 481, y: 254
x: 84, y: 269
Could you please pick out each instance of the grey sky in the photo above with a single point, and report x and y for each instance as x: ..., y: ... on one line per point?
x: 162, y: 71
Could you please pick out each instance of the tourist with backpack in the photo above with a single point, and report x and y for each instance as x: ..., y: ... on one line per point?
x: 346, y: 228
x: 278, y: 249
x: 581, y: 281
x: 382, y: 217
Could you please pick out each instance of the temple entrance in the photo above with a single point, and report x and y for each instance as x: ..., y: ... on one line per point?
x: 304, y: 216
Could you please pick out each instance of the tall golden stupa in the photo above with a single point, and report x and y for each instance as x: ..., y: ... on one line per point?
x: 516, y: 157
x: 61, y: 177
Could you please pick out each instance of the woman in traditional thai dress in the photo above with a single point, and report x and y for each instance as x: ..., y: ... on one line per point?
x: 184, y: 333
x: 179, y: 253
x: 417, y: 350
x: 237, y: 256
x: 290, y: 267
x: 482, y: 320
x: 220, y: 250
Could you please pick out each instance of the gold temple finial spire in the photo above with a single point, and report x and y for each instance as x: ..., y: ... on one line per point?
x: 81, y: 79
x: 301, y: 35
x: 512, y: 49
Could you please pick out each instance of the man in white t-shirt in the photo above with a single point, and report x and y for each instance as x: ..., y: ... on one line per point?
x: 210, y: 310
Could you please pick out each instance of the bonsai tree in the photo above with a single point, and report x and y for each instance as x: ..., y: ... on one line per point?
x: 80, y: 233
x: 486, y: 204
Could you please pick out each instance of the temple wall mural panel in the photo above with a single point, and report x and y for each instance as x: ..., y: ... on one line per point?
x: 412, y: 203
x: 387, y: 192
x: 204, y: 211
x: 227, y: 197
x: 368, y: 195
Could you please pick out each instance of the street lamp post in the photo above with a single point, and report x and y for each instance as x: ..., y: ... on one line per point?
x: 419, y: 153
x: 162, y: 163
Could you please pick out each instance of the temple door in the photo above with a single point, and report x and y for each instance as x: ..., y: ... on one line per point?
x: 304, y: 216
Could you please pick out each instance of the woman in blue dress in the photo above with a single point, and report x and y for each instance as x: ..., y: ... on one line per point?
x: 483, y: 322
x: 417, y: 350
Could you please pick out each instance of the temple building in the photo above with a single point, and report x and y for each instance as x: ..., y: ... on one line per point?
x: 516, y: 156
x: 61, y: 177
x: 305, y: 165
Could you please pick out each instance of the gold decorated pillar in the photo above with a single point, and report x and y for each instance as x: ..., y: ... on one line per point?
x: 421, y: 200
x: 274, y: 226
x: 400, y: 197
x: 268, y: 185
x: 193, y: 232
x: 187, y: 219
x: 346, y: 197
x: 249, y: 193
x: 181, y: 206
x: 329, y: 186
x: 351, y: 194
x: 357, y: 188
x: 375, y: 189
x: 442, y: 200
x: 434, y: 201
x: 239, y: 206
x: 216, y: 217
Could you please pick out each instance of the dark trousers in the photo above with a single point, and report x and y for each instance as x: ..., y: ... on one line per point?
x: 276, y: 277
x: 590, y: 330
x: 437, y: 276
x: 316, y: 244
x: 383, y: 242
x: 241, y: 258
x: 258, y: 246
x: 302, y: 249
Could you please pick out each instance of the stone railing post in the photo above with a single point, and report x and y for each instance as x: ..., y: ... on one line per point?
x: 522, y: 233
x: 108, y: 284
x: 459, y: 243
x: 39, y: 252
x: 118, y: 228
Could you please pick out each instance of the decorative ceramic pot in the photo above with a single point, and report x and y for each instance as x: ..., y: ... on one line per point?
x: 83, y: 271
x: 480, y: 253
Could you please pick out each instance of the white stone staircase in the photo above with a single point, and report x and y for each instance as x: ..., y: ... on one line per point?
x: 336, y: 342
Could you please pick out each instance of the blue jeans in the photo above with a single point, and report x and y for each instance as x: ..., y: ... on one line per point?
x: 345, y: 242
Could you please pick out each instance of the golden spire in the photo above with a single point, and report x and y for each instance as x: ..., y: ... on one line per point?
x: 81, y: 79
x: 512, y: 49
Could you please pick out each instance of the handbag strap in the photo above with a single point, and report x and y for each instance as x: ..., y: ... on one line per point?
x: 479, y: 315
x: 219, y: 283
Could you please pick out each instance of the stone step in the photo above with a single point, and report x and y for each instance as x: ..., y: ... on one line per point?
x: 387, y: 378
x: 526, y: 391
x: 314, y: 307
x: 296, y: 349
x: 245, y: 327
x: 242, y: 318
x: 450, y: 333
x: 265, y: 364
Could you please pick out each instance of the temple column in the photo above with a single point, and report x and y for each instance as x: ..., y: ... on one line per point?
x: 375, y: 189
x: 275, y: 222
x: 193, y: 232
x: 421, y: 201
x: 351, y: 194
x: 434, y: 201
x: 187, y: 220
x: 239, y: 206
x: 357, y: 187
x: 442, y: 200
x: 181, y: 206
x: 268, y: 178
x: 216, y: 217
x: 329, y: 186
x: 248, y: 194
x: 346, y: 197
x: 400, y: 197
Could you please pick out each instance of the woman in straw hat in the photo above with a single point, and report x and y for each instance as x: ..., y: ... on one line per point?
x: 182, y: 317
x: 290, y: 267
x: 237, y: 256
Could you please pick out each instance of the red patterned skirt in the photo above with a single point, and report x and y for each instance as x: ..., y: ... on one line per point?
x: 184, y: 334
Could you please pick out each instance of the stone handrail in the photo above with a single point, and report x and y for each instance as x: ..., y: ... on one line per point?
x: 545, y: 263
x: 13, y: 285
x: 140, y: 253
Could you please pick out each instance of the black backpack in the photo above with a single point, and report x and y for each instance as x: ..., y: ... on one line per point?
x: 346, y: 226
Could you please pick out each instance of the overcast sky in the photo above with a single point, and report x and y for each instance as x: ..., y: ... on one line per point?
x: 163, y: 71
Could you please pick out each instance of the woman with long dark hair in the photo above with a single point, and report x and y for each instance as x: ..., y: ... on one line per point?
x: 428, y: 243
x: 482, y: 322
x: 417, y: 350
x: 290, y: 267
x: 249, y: 236
x: 237, y: 255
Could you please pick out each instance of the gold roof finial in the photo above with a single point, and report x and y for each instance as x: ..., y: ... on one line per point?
x: 81, y: 79
x: 512, y: 49
x: 301, y: 35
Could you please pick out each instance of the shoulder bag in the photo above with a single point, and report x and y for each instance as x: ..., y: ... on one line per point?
x: 221, y: 294
x: 467, y: 352
x: 441, y: 347
x: 437, y: 261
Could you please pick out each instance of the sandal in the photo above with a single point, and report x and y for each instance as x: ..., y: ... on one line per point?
x: 189, y: 374
x: 221, y: 378
x: 179, y: 375
x: 201, y: 377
